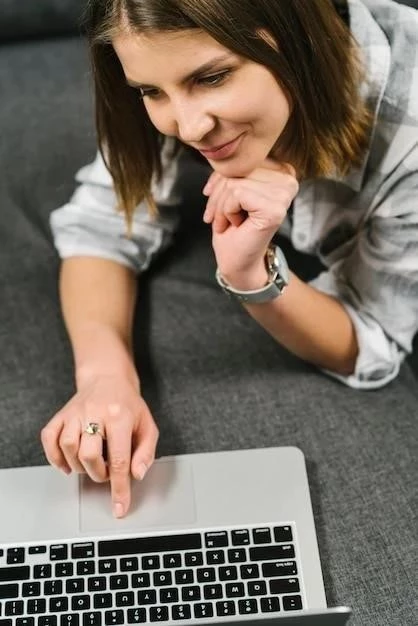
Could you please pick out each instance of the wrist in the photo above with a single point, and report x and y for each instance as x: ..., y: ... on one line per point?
x: 249, y: 279
x: 102, y: 352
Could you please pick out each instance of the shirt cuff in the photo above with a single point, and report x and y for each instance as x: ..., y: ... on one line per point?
x: 379, y: 358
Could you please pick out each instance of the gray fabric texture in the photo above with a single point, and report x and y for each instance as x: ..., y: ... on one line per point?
x: 214, y: 380
x: 21, y: 19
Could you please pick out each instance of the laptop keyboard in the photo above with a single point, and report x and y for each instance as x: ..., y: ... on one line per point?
x: 147, y: 579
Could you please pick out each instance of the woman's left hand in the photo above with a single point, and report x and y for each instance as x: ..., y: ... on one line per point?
x: 245, y: 213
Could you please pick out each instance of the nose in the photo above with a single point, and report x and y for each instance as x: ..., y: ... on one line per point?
x: 193, y: 121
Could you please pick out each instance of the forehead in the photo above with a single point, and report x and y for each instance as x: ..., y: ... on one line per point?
x: 168, y: 53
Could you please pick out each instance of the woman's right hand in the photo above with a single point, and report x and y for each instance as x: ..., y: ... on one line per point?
x: 115, y: 404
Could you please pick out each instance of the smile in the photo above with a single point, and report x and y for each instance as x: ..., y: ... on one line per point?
x: 224, y: 151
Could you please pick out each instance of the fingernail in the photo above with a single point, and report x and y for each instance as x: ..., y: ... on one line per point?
x: 118, y: 509
x: 142, y: 470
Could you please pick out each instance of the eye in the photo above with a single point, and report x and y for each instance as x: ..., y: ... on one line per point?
x: 214, y: 79
x: 149, y: 93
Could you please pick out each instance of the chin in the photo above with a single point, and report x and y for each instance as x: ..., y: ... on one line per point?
x: 235, y: 168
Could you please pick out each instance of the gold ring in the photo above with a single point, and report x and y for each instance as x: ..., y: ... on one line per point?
x: 93, y: 428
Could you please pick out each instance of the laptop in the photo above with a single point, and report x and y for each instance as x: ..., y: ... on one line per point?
x: 213, y: 538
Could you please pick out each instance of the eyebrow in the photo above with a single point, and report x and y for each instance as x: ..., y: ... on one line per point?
x: 200, y: 70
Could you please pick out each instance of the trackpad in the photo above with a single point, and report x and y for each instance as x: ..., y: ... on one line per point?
x: 165, y: 498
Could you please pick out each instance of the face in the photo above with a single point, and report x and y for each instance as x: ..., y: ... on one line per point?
x: 229, y: 108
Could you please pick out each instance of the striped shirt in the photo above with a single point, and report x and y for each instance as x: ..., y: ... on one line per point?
x: 362, y: 226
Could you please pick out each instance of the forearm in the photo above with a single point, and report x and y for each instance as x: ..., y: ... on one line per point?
x: 98, y: 300
x: 312, y: 325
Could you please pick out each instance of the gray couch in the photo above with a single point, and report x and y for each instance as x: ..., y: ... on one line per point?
x: 213, y: 379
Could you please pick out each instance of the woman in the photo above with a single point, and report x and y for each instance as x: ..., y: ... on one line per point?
x: 291, y: 110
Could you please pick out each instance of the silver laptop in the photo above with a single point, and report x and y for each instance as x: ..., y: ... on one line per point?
x: 215, y: 538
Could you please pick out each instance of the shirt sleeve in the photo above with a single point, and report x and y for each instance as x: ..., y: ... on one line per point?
x: 90, y: 225
x: 377, y: 282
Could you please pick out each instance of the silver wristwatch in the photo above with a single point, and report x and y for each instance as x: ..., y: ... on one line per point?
x: 278, y: 272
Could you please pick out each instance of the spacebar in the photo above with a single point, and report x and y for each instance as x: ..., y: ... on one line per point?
x: 144, y: 545
x: 8, y: 574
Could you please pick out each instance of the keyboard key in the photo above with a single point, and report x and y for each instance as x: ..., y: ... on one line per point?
x: 181, y: 611
x: 135, y: 616
x: 270, y: 605
x: 225, y: 608
x: 53, y: 587
x: 284, y: 585
x: 92, y: 619
x: 80, y: 603
x: 283, y: 534
x: 272, y: 553
x: 142, y: 545
x: 217, y: 539
x: 240, y: 537
x: 36, y: 605
x: 261, y: 535
x: 147, y: 596
x: 151, y: 562
x: 102, y: 600
x: 14, y: 607
x: 158, y: 614
x: 203, y: 609
x: 215, y: 557
x: 169, y: 594
x: 82, y: 550
x: 292, y: 603
x: 119, y: 582
x: 212, y: 592
x: 31, y: 589
x: 10, y: 574
x: 86, y: 568
x: 9, y: 591
x: 141, y: 580
x: 24, y: 621
x: 65, y: 569
x: 237, y: 556
x: 113, y: 617
x: 37, y: 550
x: 107, y: 566
x: 189, y: 594
x: 234, y: 590
x: 229, y: 572
x: 58, y: 553
x: 47, y: 620
x: 247, y: 606
x: 97, y: 583
x: 75, y: 585
x: 193, y: 559
x: 250, y: 571
x: 58, y: 605
x: 6, y: 622
x: 162, y: 579
x: 184, y: 576
x: 125, y: 598
x: 172, y: 560
x: 15, y: 556
x: 129, y: 565
x: 281, y: 568
x: 206, y: 574
x: 70, y: 619
x: 257, y: 588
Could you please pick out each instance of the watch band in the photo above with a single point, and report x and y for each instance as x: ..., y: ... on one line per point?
x: 278, y: 279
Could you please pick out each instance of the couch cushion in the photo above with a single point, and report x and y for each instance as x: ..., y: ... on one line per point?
x: 24, y: 19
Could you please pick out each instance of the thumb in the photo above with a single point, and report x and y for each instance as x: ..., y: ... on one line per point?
x: 145, y: 444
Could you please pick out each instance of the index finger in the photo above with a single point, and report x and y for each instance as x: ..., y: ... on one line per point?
x: 119, y: 451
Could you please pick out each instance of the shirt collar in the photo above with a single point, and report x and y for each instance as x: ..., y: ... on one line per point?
x: 376, y: 56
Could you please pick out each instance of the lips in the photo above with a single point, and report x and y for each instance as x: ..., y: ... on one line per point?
x: 221, y: 151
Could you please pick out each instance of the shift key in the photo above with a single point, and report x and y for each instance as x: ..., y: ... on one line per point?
x: 9, y: 574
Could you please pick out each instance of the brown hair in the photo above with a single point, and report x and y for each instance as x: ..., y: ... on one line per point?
x: 316, y: 62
